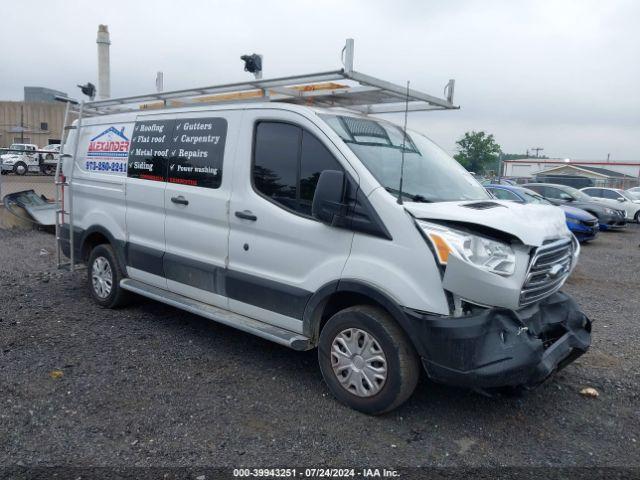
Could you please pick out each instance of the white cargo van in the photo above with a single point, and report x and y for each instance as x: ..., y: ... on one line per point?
x: 286, y: 221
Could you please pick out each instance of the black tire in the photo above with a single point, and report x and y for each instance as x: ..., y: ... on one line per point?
x: 4, y: 172
x: 116, y: 297
x: 402, y: 364
x: 637, y: 217
x: 20, y: 168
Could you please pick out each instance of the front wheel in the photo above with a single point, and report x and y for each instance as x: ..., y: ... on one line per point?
x: 20, y: 168
x: 367, y: 360
x: 637, y: 217
x: 103, y: 276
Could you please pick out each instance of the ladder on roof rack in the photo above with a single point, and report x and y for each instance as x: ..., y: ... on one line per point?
x: 344, y: 88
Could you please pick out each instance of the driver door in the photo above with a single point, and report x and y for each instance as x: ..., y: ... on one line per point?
x: 279, y: 255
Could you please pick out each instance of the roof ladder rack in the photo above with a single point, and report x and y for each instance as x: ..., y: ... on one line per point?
x: 344, y: 88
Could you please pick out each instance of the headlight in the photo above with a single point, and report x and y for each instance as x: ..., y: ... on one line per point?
x: 9, y: 161
x: 573, y: 220
x: 610, y: 211
x: 495, y: 257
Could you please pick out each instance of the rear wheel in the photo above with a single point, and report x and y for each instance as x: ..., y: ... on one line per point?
x: 367, y: 360
x: 637, y: 217
x: 20, y: 168
x: 103, y: 276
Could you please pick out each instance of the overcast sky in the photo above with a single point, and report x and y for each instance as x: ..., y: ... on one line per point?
x: 563, y: 75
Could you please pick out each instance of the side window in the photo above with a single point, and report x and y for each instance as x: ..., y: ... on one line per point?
x: 275, y: 162
x: 314, y: 159
x: 149, y: 149
x: 551, y: 192
x: 593, y: 192
x: 610, y: 194
x: 188, y: 151
x: 196, y: 152
x: 287, y: 164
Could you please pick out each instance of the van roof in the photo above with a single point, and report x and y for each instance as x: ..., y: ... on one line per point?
x: 130, y: 115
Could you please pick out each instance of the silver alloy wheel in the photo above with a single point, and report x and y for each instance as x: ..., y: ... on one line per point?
x: 101, y: 277
x: 358, y: 362
x: 21, y: 169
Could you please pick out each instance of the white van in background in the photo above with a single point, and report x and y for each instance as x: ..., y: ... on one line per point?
x: 287, y: 221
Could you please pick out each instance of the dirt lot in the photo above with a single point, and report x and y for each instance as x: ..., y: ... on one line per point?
x: 153, y: 386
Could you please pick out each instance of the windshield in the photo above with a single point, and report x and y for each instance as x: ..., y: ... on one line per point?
x: 626, y: 195
x: 533, y: 197
x: 430, y: 174
x: 577, y: 194
x: 634, y: 195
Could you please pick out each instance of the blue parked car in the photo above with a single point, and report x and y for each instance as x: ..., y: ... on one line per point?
x: 583, y: 225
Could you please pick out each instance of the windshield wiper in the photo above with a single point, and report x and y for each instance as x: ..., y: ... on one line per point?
x: 413, y: 197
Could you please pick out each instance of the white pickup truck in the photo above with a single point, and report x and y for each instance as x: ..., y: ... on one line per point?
x: 22, y: 158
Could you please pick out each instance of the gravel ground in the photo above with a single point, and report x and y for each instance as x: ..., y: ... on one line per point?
x: 150, y: 385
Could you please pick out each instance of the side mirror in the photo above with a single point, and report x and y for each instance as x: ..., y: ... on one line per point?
x: 327, y: 200
x: 622, y: 199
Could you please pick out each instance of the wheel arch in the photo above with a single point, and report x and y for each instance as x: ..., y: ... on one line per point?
x: 98, y: 235
x: 341, y: 294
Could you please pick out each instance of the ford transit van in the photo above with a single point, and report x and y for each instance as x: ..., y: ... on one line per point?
x: 291, y: 223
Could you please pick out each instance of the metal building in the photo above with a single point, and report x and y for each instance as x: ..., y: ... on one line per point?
x: 38, y: 119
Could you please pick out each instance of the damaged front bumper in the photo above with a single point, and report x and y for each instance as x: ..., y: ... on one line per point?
x: 496, y: 347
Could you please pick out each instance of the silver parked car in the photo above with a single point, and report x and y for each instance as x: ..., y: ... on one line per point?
x: 616, y: 198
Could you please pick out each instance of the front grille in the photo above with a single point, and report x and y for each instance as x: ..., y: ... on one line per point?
x: 549, y: 268
x: 590, y: 223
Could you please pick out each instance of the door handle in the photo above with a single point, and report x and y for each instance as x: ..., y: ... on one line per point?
x: 180, y: 200
x: 246, y: 215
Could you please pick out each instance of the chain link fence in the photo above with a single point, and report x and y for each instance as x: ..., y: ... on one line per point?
x: 42, y: 184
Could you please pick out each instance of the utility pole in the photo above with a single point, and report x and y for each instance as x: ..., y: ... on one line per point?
x: 159, y: 82
x: 608, y: 157
x: 22, y: 123
x: 537, y: 150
